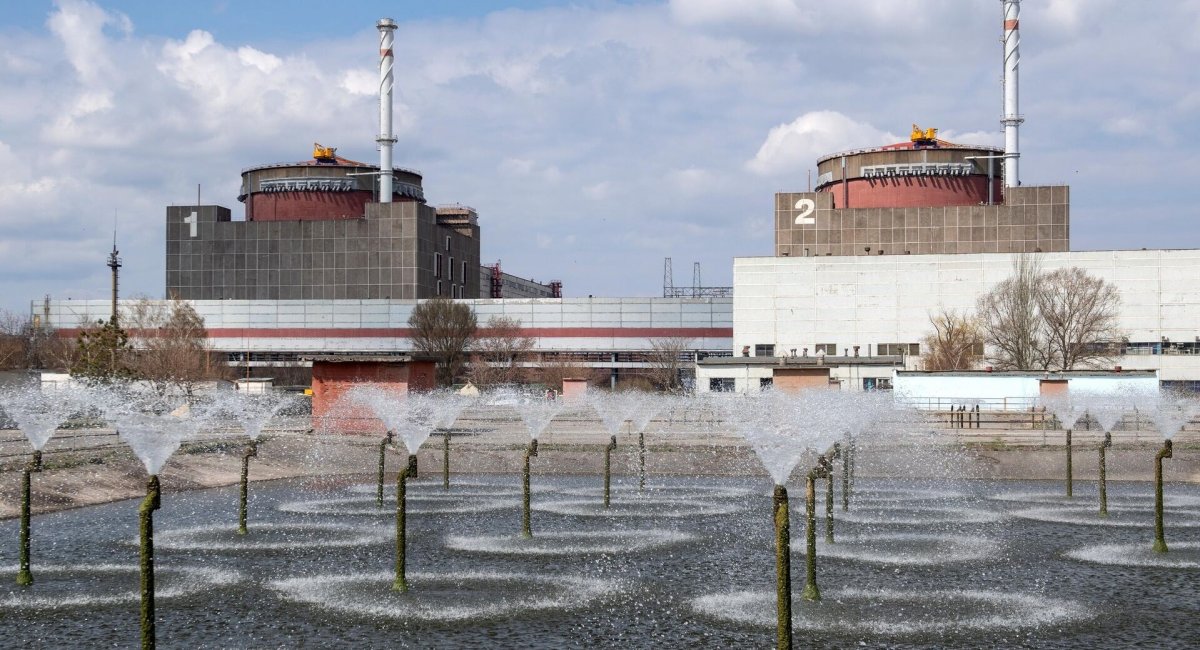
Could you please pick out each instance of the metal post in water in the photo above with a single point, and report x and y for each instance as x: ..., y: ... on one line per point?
x: 641, y: 461
x: 446, y: 459
x: 1070, y: 482
x: 24, y: 574
x: 251, y: 452
x: 846, y: 477
x: 1160, y: 543
x: 837, y: 452
x: 401, y: 583
x: 783, y: 570
x: 608, y: 449
x: 1104, y: 475
x: 811, y: 592
x: 412, y: 466
x: 379, y: 486
x: 152, y: 502
x: 530, y: 452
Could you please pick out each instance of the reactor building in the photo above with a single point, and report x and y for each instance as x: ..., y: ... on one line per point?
x: 331, y: 228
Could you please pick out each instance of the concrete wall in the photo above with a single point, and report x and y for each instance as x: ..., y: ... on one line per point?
x: 1031, y: 218
x: 314, y: 326
x: 797, y: 302
x: 940, y: 388
x: 389, y: 254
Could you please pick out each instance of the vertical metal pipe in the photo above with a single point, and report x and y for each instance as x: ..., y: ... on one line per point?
x: 24, y: 574
x: 1012, y: 115
x: 608, y: 449
x: 1104, y: 475
x: 1070, y: 481
x: 387, y: 440
x: 783, y: 570
x: 400, y: 584
x: 151, y: 503
x: 811, y: 592
x: 386, y: 27
x: 641, y: 461
x: 251, y: 452
x: 1160, y: 542
x: 531, y: 451
x: 446, y: 460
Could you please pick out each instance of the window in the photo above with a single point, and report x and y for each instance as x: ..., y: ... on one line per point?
x: 450, y: 269
x: 721, y: 384
x: 447, y: 243
x: 437, y: 266
x: 464, y: 272
x: 764, y: 350
x: 765, y: 382
x: 826, y: 348
x: 899, y: 349
x: 877, y: 383
x: 439, y: 287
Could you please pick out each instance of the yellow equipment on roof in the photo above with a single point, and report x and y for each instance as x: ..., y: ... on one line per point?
x: 928, y: 135
x: 323, y: 153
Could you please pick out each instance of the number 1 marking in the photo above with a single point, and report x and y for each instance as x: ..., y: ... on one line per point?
x: 191, y: 221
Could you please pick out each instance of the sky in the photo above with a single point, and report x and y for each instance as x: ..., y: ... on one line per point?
x: 594, y: 138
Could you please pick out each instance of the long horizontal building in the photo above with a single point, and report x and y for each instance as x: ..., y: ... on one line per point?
x: 880, y: 305
x: 613, y: 334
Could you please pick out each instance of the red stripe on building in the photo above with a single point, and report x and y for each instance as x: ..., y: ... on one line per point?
x: 404, y: 332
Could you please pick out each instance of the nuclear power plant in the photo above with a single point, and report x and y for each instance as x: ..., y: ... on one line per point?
x: 333, y: 254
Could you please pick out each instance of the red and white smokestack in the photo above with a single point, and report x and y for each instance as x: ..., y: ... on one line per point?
x: 1012, y: 116
x: 386, y: 26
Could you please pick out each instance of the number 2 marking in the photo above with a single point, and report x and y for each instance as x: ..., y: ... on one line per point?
x: 806, y: 208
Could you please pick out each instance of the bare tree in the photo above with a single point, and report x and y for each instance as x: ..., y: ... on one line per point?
x: 1043, y: 321
x: 1080, y: 312
x: 499, y: 350
x: 443, y: 329
x: 1013, y: 329
x: 665, y: 361
x: 955, y: 344
x: 171, y: 347
x: 25, y: 342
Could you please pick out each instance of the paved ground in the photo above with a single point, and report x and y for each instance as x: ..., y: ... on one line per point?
x: 93, y: 466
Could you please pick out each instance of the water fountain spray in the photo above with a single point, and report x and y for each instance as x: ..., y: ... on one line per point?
x: 647, y: 407
x: 536, y: 413
x: 822, y: 469
x: 834, y: 455
x: 1067, y: 410
x: 38, y: 416
x: 846, y: 474
x: 1167, y: 451
x: 608, y: 450
x: 153, y: 438
x: 449, y: 406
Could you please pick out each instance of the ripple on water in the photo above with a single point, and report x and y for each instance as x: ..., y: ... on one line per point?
x: 898, y: 613
x: 416, y: 504
x: 907, y: 549
x: 1118, y: 516
x: 444, y: 597
x: 641, y: 507
x: 570, y: 543
x: 269, y: 536
x: 59, y: 586
x: 457, y: 488
x: 1091, y: 499
x: 664, y: 491
x: 1182, y: 555
x: 918, y: 516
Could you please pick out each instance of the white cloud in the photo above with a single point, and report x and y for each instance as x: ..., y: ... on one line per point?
x: 691, y: 113
x: 795, y: 146
x: 597, y: 191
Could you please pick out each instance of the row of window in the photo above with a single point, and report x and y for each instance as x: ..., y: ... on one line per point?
x: 449, y: 268
x: 821, y: 349
x: 456, y: 290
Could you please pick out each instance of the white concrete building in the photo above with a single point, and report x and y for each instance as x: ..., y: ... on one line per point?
x: 881, y: 304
